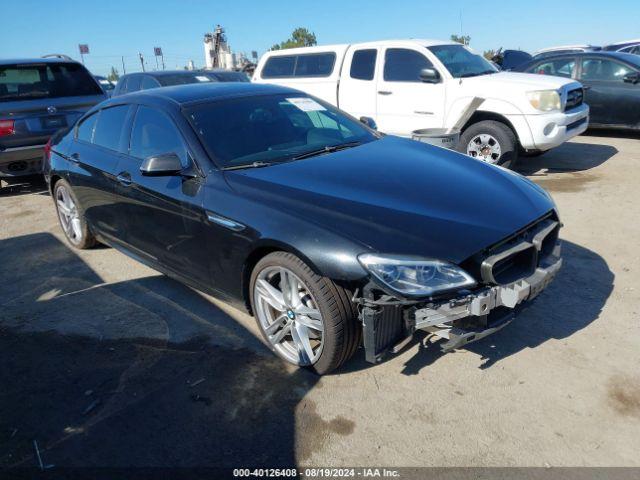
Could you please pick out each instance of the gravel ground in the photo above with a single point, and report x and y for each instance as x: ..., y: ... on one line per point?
x: 105, y: 362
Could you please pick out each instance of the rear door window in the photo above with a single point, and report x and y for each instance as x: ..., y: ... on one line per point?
x: 46, y: 80
x: 154, y: 133
x: 363, y: 64
x: 86, y: 128
x: 110, y: 129
x: 404, y: 65
x: 561, y: 67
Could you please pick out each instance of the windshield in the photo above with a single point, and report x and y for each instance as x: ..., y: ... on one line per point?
x: 461, y: 62
x: 167, y: 80
x: 272, y: 128
x: 46, y: 80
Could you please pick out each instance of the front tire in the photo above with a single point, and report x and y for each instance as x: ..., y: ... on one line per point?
x: 490, y: 141
x: 305, y: 318
x: 71, y: 217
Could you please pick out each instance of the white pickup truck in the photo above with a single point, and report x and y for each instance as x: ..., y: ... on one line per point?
x: 406, y: 85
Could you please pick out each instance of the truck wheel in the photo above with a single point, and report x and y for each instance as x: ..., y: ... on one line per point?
x: 71, y: 217
x: 490, y: 141
x: 306, y: 319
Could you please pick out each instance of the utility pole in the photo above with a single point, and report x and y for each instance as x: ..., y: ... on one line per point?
x: 141, y: 61
x: 124, y: 70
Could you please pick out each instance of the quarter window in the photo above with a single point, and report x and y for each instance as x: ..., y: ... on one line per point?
x: 86, y: 127
x: 307, y: 65
x: 133, y: 84
x: 148, y: 82
x: 603, y: 69
x: 109, y: 131
x: 363, y: 64
x: 154, y: 133
x: 403, y: 65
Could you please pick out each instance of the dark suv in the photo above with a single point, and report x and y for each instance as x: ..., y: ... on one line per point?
x: 37, y: 98
x: 135, y: 82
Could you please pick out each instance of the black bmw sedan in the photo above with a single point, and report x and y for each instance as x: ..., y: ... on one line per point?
x: 330, y: 234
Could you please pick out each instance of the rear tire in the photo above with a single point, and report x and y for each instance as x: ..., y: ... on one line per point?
x: 71, y: 217
x: 490, y: 141
x: 277, y: 310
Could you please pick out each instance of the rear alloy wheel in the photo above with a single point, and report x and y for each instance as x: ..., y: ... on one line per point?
x: 490, y: 141
x: 306, y: 319
x: 71, y: 216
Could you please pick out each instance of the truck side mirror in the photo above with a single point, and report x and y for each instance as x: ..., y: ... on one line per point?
x: 429, y: 75
x: 631, y: 78
x: 369, y: 122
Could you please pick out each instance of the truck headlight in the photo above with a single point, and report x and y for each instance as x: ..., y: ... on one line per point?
x: 544, y: 100
x: 415, y: 277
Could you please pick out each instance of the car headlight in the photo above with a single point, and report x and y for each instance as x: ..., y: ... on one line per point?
x: 545, y: 100
x: 415, y: 277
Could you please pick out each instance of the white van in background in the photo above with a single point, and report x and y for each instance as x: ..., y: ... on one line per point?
x: 406, y: 85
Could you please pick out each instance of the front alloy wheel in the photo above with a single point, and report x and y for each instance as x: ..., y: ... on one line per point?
x: 288, y: 315
x: 306, y: 319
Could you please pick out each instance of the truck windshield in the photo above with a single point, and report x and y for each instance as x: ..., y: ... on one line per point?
x: 46, y: 80
x: 461, y: 62
x: 267, y: 129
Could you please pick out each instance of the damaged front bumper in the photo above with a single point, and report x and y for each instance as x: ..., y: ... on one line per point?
x: 389, y: 323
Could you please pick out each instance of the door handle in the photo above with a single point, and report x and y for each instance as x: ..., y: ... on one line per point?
x: 75, y: 157
x: 384, y: 92
x: 586, y: 87
x: 124, y: 178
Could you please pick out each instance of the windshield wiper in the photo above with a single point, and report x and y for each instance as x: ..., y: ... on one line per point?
x: 248, y: 165
x: 477, y: 74
x: 327, y: 149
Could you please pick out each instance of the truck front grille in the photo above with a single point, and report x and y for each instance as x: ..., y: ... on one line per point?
x: 574, y: 99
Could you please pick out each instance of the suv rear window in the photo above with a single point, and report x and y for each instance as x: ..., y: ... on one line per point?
x: 45, y: 80
x: 307, y: 65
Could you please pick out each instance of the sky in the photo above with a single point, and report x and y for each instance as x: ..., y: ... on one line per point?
x: 115, y: 28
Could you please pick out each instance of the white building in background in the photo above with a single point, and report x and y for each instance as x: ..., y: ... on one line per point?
x: 218, y: 54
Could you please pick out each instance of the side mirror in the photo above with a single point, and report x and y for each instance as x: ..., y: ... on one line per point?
x: 369, y: 122
x: 631, y: 78
x: 166, y: 164
x: 429, y: 75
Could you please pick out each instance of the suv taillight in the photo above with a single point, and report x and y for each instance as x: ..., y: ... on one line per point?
x: 47, y: 150
x: 7, y: 127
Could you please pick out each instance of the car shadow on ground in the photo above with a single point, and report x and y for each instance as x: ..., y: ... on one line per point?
x: 144, y: 372
x: 572, y: 301
x: 569, y: 157
x: 24, y: 186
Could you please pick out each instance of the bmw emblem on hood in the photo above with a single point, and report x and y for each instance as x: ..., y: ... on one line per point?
x: 52, y: 109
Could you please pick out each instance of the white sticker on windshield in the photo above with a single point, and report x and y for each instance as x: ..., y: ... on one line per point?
x: 306, y: 104
x: 202, y: 78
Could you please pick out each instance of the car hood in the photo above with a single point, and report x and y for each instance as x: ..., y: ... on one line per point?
x: 399, y: 196
x: 522, y: 81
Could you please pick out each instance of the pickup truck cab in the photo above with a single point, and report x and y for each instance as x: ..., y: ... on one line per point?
x: 406, y: 85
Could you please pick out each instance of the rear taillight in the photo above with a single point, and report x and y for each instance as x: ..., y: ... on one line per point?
x: 7, y: 127
x: 47, y: 150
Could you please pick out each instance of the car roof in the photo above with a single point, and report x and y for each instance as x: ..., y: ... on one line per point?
x: 625, y: 57
x: 27, y: 61
x: 164, y: 73
x: 379, y: 43
x: 197, y: 92
x: 566, y: 47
